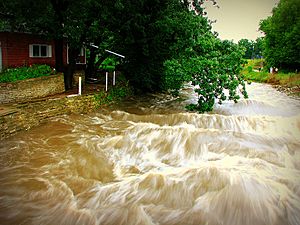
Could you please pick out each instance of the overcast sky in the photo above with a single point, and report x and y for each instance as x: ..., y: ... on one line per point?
x: 237, y: 19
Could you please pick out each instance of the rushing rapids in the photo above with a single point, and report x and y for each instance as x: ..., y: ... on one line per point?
x: 148, y: 161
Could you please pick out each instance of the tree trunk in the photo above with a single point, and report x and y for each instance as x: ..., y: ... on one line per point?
x: 68, y: 74
x: 59, y: 48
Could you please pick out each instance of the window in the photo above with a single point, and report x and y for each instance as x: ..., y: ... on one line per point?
x: 37, y: 50
x: 43, y: 50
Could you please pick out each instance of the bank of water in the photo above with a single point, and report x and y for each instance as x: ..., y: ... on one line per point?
x: 148, y: 161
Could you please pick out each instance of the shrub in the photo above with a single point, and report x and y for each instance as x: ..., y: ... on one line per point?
x: 23, y: 73
x: 116, y: 93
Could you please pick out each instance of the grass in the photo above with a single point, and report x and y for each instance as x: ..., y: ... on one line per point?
x: 251, y: 73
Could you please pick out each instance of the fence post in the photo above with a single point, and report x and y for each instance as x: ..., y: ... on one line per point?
x: 79, y: 86
x: 106, y: 81
x: 114, y: 78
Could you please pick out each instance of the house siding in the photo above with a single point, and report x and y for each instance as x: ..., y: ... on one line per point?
x: 15, y: 50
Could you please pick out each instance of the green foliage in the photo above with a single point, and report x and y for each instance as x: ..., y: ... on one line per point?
x: 23, y: 73
x: 167, y: 44
x: 18, y: 16
x: 174, y: 76
x: 250, y: 69
x: 259, y: 47
x: 217, y: 72
x: 3, y: 25
x: 157, y: 31
x: 248, y: 47
x: 282, y: 40
x: 253, y: 49
x: 109, y: 63
x: 213, y: 67
x: 101, y: 98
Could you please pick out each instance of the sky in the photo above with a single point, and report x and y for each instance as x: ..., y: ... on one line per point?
x: 238, y: 19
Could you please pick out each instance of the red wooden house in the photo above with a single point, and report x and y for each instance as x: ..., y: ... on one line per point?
x: 25, y: 49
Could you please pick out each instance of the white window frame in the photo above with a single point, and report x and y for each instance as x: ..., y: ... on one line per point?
x: 48, y: 51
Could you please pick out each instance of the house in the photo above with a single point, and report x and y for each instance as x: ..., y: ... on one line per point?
x: 25, y: 49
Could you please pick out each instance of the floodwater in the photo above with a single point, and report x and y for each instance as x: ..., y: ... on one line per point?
x: 148, y: 161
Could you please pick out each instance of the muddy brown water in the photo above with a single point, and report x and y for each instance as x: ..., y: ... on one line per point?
x: 148, y: 161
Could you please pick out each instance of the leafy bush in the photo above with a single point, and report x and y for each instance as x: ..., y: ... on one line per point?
x: 23, y: 73
x: 116, y: 93
x: 109, y: 64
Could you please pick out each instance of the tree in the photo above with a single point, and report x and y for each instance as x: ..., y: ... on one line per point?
x: 252, y: 49
x: 220, y: 68
x: 258, y: 47
x: 248, y: 47
x: 156, y: 31
x: 282, y: 35
x: 147, y: 34
x: 169, y: 42
x: 213, y: 67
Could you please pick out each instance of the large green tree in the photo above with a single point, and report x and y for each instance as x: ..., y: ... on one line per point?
x: 259, y: 47
x: 151, y: 32
x: 282, y: 35
x: 248, y: 47
x: 212, y: 65
x: 252, y: 49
